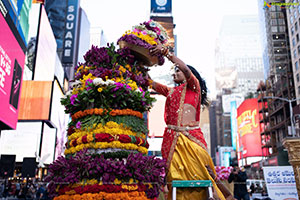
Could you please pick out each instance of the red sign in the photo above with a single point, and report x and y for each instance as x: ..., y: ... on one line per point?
x: 249, y: 129
x: 12, y: 60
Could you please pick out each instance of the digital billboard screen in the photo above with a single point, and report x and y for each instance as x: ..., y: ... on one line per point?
x: 248, y: 129
x: 12, y: 60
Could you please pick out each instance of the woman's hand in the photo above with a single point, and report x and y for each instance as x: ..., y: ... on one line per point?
x: 158, y: 49
x: 210, y: 171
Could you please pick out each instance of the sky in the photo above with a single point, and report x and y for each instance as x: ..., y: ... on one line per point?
x: 197, y: 25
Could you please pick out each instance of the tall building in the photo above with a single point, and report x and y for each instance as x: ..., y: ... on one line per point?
x: 238, y: 55
x: 275, y: 113
x: 71, y: 29
x: 293, y: 18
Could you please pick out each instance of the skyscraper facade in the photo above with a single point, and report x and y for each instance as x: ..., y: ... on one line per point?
x: 238, y: 55
x: 275, y: 113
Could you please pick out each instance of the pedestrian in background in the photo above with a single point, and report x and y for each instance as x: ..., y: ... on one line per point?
x: 239, y: 178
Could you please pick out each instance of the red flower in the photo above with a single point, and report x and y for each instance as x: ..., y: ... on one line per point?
x: 71, y: 130
x: 137, y: 140
x: 74, y: 143
x: 124, y: 139
x: 103, y: 137
x: 84, y: 139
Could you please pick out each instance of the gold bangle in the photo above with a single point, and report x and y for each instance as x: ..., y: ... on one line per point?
x: 169, y: 55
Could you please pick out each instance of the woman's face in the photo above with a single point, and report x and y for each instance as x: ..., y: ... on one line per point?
x: 178, y: 76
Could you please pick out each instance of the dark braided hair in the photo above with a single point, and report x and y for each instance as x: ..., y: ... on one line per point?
x: 204, y: 100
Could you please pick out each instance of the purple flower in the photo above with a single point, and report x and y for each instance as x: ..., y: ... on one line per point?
x: 87, y: 82
x: 78, y: 125
x: 73, y: 98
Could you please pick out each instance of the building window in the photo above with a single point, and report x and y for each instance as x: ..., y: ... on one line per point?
x: 295, y: 14
x: 292, y: 30
x: 297, y: 37
x: 297, y: 78
x: 291, y: 19
x: 296, y: 26
x: 294, y: 42
x: 296, y: 65
x: 274, y: 29
x: 299, y: 9
x: 295, y: 53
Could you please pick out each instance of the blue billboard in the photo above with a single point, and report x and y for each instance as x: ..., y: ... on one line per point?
x: 161, y: 6
x: 233, y: 123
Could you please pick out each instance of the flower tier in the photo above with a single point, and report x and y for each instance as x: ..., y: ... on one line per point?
x: 106, y: 152
x: 143, y: 37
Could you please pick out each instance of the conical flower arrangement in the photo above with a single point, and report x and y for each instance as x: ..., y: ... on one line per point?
x: 106, y: 153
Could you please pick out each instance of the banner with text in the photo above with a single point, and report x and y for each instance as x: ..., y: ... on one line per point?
x: 12, y: 60
x: 280, y: 181
x: 249, y: 143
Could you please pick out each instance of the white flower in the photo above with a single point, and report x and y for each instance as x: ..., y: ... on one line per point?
x: 109, y: 82
x: 98, y: 81
x: 76, y: 84
x: 69, y: 93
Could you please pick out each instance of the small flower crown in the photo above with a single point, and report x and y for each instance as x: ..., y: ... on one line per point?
x: 153, y: 29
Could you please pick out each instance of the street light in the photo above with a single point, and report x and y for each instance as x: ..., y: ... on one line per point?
x: 291, y: 110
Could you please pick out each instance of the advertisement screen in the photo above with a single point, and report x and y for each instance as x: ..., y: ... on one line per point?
x: 23, y: 142
x: 59, y: 119
x: 46, y: 50
x: 48, y: 144
x: 11, y: 69
x: 233, y: 124
x: 35, y: 100
x: 248, y: 129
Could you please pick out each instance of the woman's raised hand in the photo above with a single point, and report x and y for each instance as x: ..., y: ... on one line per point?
x: 158, y: 49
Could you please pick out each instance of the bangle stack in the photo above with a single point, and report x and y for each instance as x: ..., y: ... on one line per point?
x: 164, y: 51
x: 216, y: 179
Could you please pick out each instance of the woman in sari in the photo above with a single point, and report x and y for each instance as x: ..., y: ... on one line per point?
x: 184, y: 147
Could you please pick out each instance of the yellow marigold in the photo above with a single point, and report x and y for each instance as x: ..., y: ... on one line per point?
x: 112, y: 124
x: 122, y: 69
x: 117, y: 182
x: 71, y: 192
x: 146, y: 38
x: 79, y: 140
x: 128, y: 67
x: 92, y: 182
x: 90, y: 138
x: 100, y: 89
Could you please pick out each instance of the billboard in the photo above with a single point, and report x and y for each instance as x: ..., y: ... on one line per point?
x: 161, y: 6
x: 22, y: 142
x: 12, y: 60
x: 248, y: 129
x: 44, y: 66
x: 16, y: 14
x: 59, y: 119
x: 156, y: 120
x: 70, y: 32
x: 280, y: 182
x: 233, y: 123
x: 35, y: 100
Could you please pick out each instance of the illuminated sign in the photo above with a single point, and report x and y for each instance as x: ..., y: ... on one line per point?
x: 161, y: 6
x: 70, y: 33
x: 12, y: 60
x: 249, y: 142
